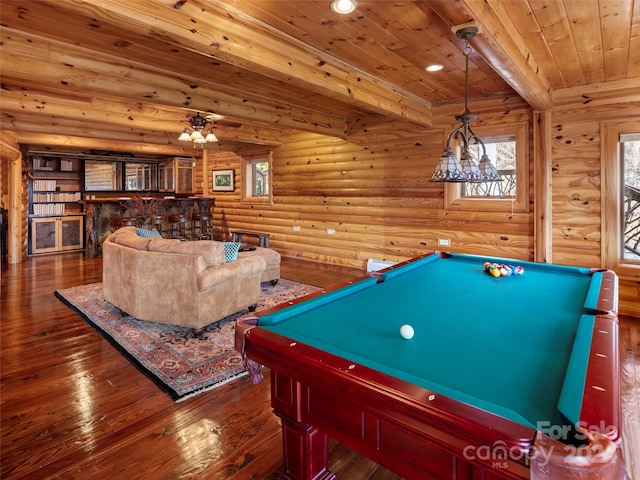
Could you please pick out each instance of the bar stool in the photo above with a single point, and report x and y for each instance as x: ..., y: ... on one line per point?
x: 122, y: 219
x: 160, y: 219
x: 180, y: 223
x: 202, y: 219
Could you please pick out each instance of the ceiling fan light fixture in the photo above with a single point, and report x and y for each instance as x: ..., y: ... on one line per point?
x: 184, y: 136
x: 343, y: 7
x: 211, y: 137
x: 196, y: 133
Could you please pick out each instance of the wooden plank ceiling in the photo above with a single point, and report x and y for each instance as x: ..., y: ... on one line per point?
x: 131, y: 72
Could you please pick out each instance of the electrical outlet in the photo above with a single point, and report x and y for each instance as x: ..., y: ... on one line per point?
x: 443, y: 242
x: 331, y: 231
x: 296, y: 228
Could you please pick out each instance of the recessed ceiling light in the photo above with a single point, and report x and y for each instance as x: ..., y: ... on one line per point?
x: 343, y: 6
x: 436, y: 67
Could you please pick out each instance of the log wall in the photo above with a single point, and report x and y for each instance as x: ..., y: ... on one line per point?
x: 14, y: 195
x: 580, y: 160
x: 373, y: 189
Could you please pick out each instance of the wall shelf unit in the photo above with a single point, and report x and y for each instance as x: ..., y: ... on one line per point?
x: 56, y: 221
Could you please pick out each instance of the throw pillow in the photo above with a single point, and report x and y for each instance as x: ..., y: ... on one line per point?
x: 231, y: 251
x: 143, y: 232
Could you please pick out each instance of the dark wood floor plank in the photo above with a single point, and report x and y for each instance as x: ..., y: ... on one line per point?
x: 73, y: 407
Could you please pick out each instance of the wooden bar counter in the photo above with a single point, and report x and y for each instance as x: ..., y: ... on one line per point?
x: 100, y: 213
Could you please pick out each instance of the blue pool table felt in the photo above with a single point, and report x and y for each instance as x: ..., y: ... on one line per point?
x: 501, y: 344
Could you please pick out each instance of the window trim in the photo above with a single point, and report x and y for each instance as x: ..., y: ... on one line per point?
x: 453, y: 199
x: 247, y: 196
x: 611, y: 217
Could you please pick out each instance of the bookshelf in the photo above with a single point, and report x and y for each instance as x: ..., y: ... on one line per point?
x: 56, y: 221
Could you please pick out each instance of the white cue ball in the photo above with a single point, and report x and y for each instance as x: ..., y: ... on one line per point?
x: 406, y: 332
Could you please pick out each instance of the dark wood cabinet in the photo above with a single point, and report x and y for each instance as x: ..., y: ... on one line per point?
x: 56, y: 234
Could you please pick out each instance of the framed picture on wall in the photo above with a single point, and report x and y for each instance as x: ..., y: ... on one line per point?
x: 223, y: 181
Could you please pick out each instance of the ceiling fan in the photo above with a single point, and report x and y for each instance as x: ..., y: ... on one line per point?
x: 219, y: 120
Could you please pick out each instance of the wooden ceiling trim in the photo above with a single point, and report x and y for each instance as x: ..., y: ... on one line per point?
x: 620, y: 91
x: 501, y: 47
x: 211, y: 30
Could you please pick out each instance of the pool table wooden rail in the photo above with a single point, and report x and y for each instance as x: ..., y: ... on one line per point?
x: 410, y: 430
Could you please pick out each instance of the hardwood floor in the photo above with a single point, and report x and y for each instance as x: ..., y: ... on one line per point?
x: 72, y: 407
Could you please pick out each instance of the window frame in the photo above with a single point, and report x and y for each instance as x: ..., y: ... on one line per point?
x: 612, y: 198
x: 247, y: 179
x: 453, y: 198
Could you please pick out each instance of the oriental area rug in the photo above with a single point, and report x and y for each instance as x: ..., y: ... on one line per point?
x: 180, y: 364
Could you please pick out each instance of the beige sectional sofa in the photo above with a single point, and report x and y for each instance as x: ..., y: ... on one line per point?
x: 178, y: 283
x: 272, y: 260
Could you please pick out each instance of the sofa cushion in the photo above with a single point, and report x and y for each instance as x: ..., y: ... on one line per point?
x: 130, y: 239
x: 229, y: 272
x: 211, y: 251
x: 230, y: 251
x: 145, y: 232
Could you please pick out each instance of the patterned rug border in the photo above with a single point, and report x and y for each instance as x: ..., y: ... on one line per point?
x: 175, y: 395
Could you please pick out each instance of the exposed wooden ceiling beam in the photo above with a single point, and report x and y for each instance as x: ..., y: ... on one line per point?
x: 67, y: 70
x: 231, y: 37
x: 23, y: 108
x: 499, y: 43
x: 71, y: 142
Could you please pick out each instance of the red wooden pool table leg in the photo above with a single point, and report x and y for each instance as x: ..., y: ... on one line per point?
x: 306, y: 451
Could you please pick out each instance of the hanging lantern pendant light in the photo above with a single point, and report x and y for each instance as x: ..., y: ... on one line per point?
x: 450, y: 169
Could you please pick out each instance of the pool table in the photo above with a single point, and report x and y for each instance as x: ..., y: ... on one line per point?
x: 492, y: 362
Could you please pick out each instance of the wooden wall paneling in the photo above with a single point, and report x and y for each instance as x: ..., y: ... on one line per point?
x: 542, y: 174
x: 611, y: 249
x: 16, y: 199
x: 586, y: 180
x: 576, y: 197
x: 198, y: 174
x: 373, y: 190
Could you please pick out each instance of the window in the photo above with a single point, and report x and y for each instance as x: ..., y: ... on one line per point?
x: 630, y: 161
x: 507, y: 147
x: 617, y: 230
x: 502, y: 152
x: 257, y: 179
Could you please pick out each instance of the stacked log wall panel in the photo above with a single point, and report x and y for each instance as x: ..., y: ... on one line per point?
x: 576, y: 192
x: 577, y: 188
x: 373, y: 189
